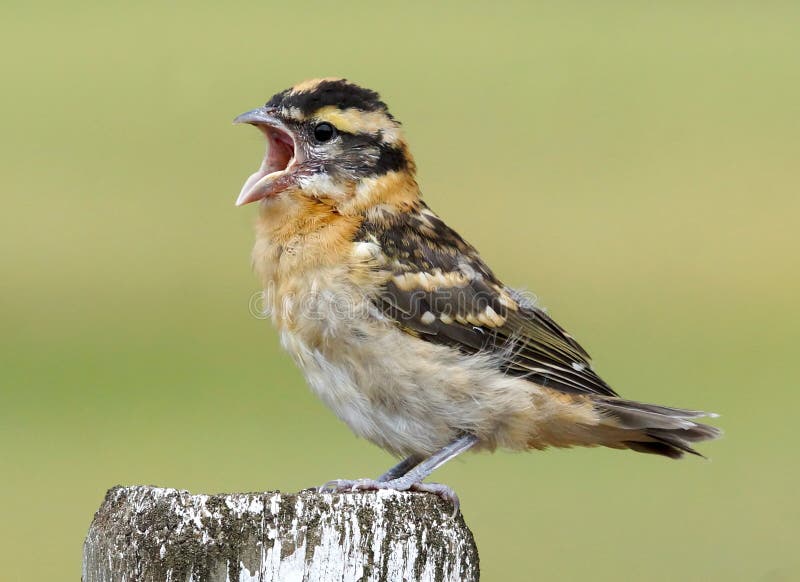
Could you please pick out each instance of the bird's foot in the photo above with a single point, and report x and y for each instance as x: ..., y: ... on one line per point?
x: 348, y: 485
x: 401, y: 484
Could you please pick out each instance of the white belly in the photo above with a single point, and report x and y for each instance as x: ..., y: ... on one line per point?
x: 382, y: 407
x: 406, y: 395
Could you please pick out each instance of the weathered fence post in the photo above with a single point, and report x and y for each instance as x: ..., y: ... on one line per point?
x: 149, y: 534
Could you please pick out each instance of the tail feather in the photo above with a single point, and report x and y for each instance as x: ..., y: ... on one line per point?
x: 660, y: 430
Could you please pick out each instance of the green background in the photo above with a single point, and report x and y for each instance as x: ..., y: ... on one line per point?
x: 633, y: 163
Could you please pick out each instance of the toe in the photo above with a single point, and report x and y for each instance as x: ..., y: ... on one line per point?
x: 334, y: 486
x: 366, y: 485
x: 348, y: 485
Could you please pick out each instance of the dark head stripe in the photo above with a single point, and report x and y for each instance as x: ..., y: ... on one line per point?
x: 339, y: 93
x: 391, y: 159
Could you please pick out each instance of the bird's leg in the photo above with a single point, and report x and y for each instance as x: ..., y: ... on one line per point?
x: 400, y: 468
x: 436, y: 460
x: 412, y: 479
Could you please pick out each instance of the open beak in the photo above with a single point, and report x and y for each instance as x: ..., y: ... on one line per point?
x: 274, y: 174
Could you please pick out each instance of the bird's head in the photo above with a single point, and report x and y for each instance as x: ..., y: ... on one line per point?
x: 328, y: 139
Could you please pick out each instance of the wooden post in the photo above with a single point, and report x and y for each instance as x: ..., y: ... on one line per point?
x: 149, y: 534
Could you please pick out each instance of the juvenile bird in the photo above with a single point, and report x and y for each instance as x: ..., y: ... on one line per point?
x: 395, y: 320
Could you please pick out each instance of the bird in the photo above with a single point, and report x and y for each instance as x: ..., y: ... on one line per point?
x: 396, y: 321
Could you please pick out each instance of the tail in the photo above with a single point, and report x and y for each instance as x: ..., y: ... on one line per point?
x: 649, y: 428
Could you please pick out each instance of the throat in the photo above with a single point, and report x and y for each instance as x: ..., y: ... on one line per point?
x: 299, y: 217
x: 300, y: 237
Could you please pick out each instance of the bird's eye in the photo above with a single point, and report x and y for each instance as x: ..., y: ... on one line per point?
x: 324, y: 132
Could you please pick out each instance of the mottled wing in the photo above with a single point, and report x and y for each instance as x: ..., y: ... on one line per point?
x: 438, y: 289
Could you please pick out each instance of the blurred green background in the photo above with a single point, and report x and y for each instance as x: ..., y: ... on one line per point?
x: 633, y: 163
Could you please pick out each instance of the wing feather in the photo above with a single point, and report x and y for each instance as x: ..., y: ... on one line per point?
x: 440, y: 290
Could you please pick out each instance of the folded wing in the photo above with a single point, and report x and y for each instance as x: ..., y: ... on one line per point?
x: 438, y: 289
